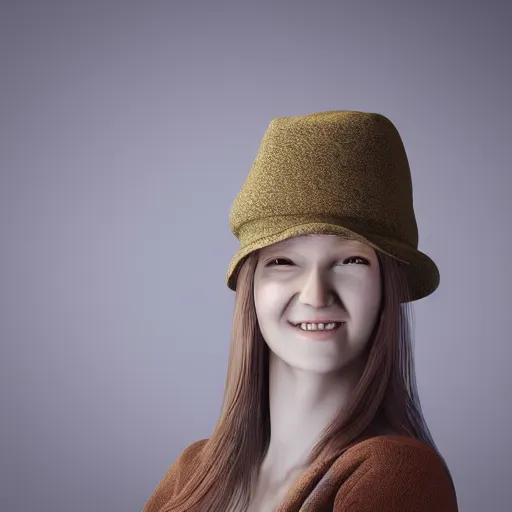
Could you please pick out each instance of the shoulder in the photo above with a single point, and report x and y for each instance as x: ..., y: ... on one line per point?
x: 388, y: 473
x: 174, y: 478
x: 191, y: 454
x: 396, y: 448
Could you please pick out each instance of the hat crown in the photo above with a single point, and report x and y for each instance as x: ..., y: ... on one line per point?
x: 347, y: 165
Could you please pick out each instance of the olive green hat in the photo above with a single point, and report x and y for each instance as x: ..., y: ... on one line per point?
x: 336, y: 172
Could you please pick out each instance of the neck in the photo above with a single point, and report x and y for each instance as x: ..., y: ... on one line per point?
x: 302, y: 404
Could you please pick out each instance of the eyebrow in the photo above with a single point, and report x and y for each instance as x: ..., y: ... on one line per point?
x: 363, y: 248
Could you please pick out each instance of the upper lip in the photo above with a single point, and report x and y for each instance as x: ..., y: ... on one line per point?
x: 318, y: 321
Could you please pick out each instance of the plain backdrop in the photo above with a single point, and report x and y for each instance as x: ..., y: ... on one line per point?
x: 128, y: 128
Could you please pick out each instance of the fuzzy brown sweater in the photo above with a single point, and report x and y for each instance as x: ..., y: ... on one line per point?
x: 381, y: 474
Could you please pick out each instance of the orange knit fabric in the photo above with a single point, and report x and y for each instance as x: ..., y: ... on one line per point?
x: 381, y: 474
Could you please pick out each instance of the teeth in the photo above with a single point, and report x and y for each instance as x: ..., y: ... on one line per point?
x: 318, y: 327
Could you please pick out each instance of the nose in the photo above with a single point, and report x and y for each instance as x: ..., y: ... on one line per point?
x: 316, y: 290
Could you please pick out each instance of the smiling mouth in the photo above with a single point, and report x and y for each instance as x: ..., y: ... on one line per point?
x: 336, y: 325
x: 318, y: 334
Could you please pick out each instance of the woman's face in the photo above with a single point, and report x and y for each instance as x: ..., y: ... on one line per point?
x: 317, y: 276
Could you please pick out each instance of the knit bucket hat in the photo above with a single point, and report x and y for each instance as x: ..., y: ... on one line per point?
x: 339, y: 173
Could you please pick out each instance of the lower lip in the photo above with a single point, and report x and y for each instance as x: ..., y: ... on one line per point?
x: 317, y: 335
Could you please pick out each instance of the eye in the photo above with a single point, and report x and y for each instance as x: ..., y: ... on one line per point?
x: 273, y: 260
x: 365, y: 262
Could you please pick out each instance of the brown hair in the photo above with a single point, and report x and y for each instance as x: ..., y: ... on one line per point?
x: 386, y: 392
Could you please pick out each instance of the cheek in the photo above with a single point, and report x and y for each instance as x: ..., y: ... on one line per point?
x: 362, y: 299
x: 265, y: 297
x: 269, y: 301
x: 369, y: 301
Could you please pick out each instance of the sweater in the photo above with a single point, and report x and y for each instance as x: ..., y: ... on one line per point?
x: 389, y: 473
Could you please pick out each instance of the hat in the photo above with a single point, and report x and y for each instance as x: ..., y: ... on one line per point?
x: 336, y: 172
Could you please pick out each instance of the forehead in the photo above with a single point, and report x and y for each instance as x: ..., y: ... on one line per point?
x: 323, y: 242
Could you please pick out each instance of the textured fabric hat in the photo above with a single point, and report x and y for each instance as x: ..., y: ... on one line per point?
x: 335, y: 172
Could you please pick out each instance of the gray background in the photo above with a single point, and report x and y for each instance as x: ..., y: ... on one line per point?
x: 127, y: 129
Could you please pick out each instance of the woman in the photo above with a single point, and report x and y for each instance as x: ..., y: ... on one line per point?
x: 331, y: 420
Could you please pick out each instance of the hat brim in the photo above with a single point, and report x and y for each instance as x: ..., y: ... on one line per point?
x: 421, y: 272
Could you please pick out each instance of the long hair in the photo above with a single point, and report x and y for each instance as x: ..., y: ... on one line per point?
x: 386, y: 391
